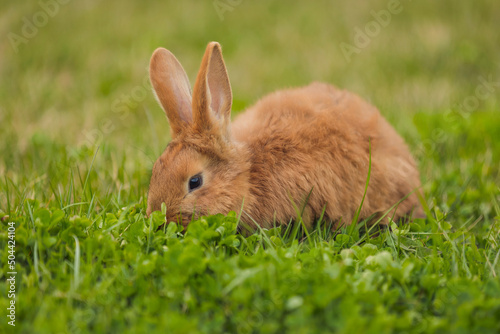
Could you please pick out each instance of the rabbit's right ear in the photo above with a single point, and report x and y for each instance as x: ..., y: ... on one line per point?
x: 172, y: 89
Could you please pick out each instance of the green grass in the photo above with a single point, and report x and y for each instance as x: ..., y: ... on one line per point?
x: 87, y: 258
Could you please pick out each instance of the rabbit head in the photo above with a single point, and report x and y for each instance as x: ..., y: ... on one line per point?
x: 202, y: 170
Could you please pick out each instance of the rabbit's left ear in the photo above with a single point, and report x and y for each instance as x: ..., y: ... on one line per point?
x: 212, y: 96
x: 172, y: 89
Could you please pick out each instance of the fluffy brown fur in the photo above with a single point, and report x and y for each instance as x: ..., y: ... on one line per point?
x: 311, y: 140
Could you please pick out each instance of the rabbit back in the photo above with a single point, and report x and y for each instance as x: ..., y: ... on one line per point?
x: 314, y: 142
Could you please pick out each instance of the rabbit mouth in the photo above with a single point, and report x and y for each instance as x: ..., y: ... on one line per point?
x: 183, y: 218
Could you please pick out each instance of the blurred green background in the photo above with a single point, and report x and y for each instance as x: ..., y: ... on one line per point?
x: 75, y: 78
x: 80, y: 130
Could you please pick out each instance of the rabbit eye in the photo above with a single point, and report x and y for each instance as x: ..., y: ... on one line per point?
x: 195, y: 182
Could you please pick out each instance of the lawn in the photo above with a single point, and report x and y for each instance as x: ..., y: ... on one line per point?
x: 80, y: 130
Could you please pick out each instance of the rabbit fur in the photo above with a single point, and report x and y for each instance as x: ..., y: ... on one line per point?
x: 312, y: 143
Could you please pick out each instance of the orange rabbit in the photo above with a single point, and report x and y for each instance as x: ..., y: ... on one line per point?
x: 311, y: 140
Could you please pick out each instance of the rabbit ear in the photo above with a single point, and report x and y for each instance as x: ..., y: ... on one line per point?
x: 212, y: 96
x: 172, y: 89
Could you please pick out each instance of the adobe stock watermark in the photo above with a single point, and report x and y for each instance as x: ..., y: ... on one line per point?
x: 266, y: 308
x: 223, y: 6
x: 32, y: 24
x: 11, y: 274
x: 121, y: 108
x: 486, y: 88
x: 363, y: 36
